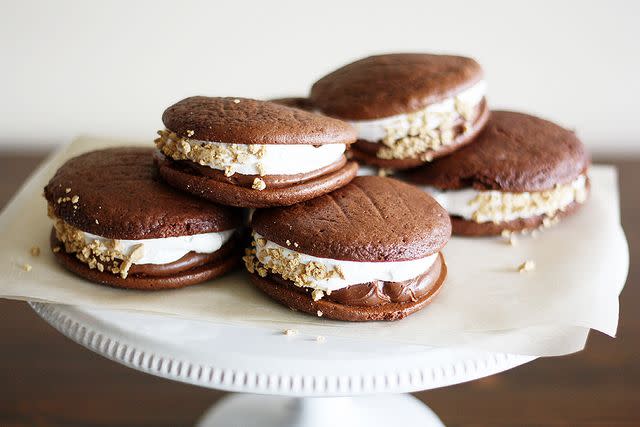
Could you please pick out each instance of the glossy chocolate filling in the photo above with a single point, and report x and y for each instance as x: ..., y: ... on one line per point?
x: 271, y: 181
x: 458, y: 132
x: 378, y: 292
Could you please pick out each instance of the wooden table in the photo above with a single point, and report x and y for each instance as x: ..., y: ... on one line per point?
x: 46, y: 380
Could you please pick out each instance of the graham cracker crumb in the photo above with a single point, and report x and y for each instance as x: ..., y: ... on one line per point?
x: 190, y: 133
x: 290, y: 332
x: 35, y: 251
x: 75, y: 199
x: 26, y: 267
x: 258, y: 184
x: 67, y: 190
x: 288, y: 242
x: 96, y: 254
x: 496, y: 205
x: 229, y: 170
x: 317, y: 294
x: 527, y: 266
x: 217, y: 156
x: 319, y: 313
x: 295, y: 244
x: 97, y: 222
x: 421, y: 137
x: 320, y: 338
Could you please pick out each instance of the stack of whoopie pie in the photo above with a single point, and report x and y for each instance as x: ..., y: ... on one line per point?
x: 322, y: 241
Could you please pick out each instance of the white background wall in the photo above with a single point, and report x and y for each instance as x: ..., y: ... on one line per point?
x: 110, y: 68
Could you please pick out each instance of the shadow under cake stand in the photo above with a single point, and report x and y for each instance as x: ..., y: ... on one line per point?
x: 279, y: 380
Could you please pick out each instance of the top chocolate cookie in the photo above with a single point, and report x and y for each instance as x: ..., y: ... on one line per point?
x: 115, y: 193
x: 514, y: 153
x: 370, y: 219
x: 249, y: 121
x: 387, y: 85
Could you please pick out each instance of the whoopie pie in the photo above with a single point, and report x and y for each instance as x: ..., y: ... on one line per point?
x: 367, y: 251
x: 407, y: 108
x: 248, y: 153
x: 116, y: 223
x: 522, y: 172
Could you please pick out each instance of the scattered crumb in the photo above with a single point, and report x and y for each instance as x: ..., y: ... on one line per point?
x: 320, y: 313
x: 295, y: 244
x: 97, y: 222
x: 290, y: 332
x: 288, y: 242
x: 26, y: 267
x: 526, y: 266
x: 506, y: 233
x: 67, y: 190
x: 190, y: 133
x: 75, y: 199
x: 258, y: 184
x: 55, y: 249
x: 320, y: 338
x: 236, y: 101
x: 35, y: 251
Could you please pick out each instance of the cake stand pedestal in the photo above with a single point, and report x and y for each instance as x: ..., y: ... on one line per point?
x: 279, y: 380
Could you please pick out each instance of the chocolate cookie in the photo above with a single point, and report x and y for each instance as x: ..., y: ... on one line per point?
x: 368, y: 251
x: 116, y: 223
x: 407, y: 108
x: 248, y: 153
x: 520, y: 173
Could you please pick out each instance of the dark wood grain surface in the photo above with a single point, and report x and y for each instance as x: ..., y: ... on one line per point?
x: 47, y: 380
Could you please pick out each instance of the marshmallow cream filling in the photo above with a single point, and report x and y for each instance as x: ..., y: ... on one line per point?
x: 264, y: 159
x: 497, y: 206
x: 435, y: 115
x: 168, y: 249
x: 326, y: 274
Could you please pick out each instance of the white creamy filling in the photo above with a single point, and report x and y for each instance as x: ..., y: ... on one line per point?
x: 277, y: 159
x: 497, y: 206
x: 168, y: 249
x: 353, y: 272
x: 375, y: 130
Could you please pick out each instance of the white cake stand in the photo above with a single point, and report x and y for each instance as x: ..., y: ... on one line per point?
x: 280, y: 380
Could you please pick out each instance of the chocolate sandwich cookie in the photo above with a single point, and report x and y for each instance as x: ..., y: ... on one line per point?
x: 368, y: 251
x: 407, y: 108
x: 116, y: 223
x: 248, y: 153
x: 522, y: 172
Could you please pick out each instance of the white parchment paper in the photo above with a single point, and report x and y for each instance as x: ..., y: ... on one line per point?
x: 581, y: 267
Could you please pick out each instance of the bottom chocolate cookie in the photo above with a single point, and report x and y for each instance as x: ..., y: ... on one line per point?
x: 155, y: 277
x: 296, y: 299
